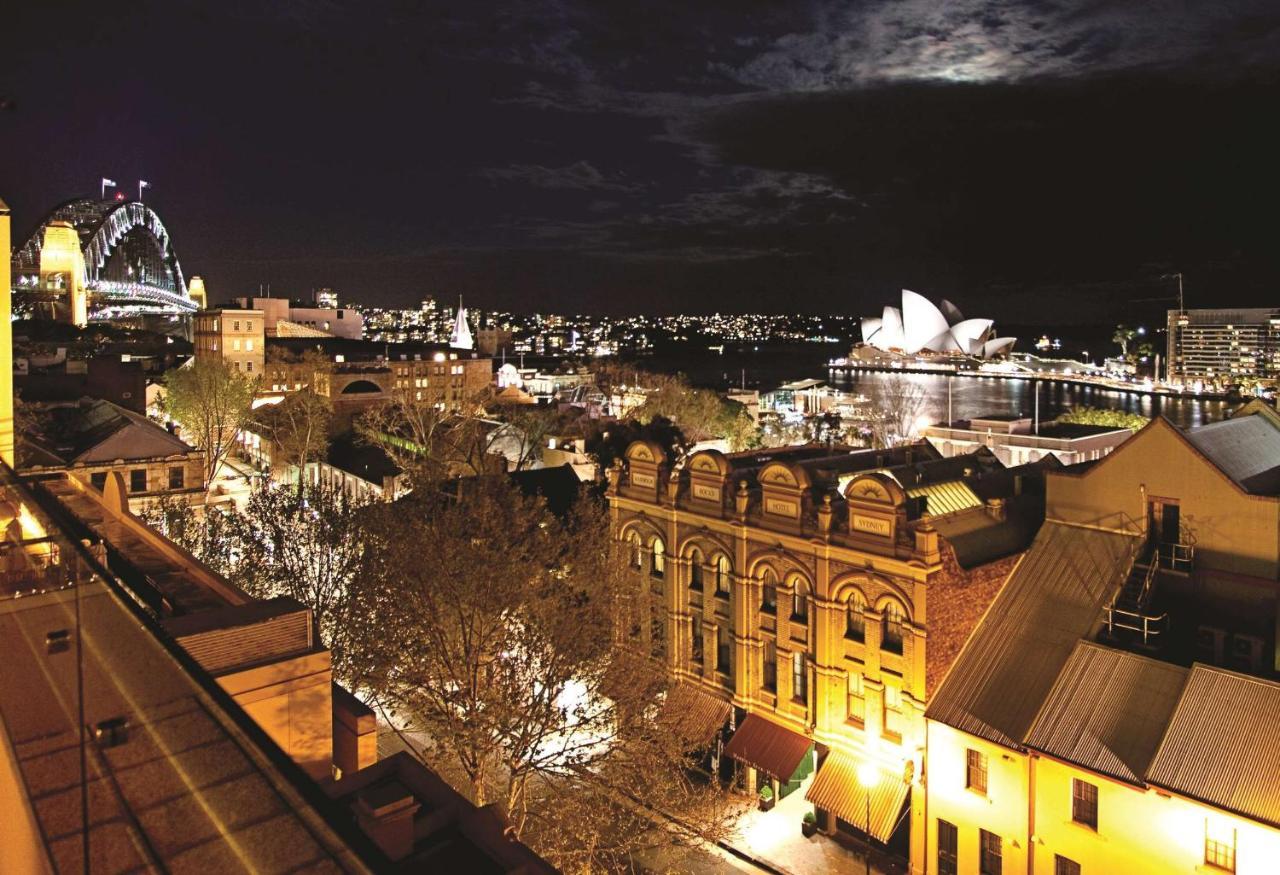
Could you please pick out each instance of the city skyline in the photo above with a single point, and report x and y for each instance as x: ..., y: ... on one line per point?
x: 554, y: 158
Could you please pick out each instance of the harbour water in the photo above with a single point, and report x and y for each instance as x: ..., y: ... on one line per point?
x: 766, y: 367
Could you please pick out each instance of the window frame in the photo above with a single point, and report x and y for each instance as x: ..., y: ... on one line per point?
x: 1218, y: 854
x: 177, y: 477
x: 657, y: 559
x: 976, y: 775
x: 799, y: 677
x: 134, y: 478
x: 990, y: 848
x: 769, y: 667
x: 893, y: 622
x: 1065, y: 865
x: 855, y: 606
x: 1084, y: 804
x: 948, y: 851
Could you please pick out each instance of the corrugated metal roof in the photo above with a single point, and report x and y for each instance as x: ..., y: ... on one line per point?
x: 1107, y: 711
x: 694, y: 714
x: 1246, y: 448
x: 1050, y: 601
x: 837, y: 789
x: 1223, y: 744
x: 948, y: 497
x: 773, y: 749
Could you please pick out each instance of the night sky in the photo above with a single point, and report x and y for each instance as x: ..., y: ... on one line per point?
x: 1031, y: 161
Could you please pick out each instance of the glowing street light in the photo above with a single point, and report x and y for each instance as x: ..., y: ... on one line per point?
x: 868, y: 776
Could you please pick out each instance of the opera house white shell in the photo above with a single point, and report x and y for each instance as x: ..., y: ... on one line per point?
x: 919, y: 326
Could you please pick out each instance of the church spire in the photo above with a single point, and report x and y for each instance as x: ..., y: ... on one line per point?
x: 461, y: 336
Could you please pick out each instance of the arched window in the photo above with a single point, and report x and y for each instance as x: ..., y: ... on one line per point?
x: 635, y: 550
x: 799, y: 600
x: 659, y: 564
x: 855, y: 623
x: 695, y: 569
x: 768, y: 591
x: 891, y: 627
x: 723, y: 571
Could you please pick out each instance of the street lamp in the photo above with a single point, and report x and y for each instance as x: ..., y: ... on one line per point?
x: 868, y: 776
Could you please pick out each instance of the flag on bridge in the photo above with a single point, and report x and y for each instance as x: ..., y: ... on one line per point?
x: 107, y: 183
x: 142, y: 183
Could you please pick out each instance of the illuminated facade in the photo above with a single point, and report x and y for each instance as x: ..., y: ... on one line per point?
x: 1117, y: 709
x: 125, y: 266
x: 236, y: 337
x: 918, y: 326
x: 1224, y: 346
x: 805, y: 588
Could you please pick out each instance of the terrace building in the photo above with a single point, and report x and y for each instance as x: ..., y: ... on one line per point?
x: 1117, y: 709
x: 236, y: 337
x: 813, y: 597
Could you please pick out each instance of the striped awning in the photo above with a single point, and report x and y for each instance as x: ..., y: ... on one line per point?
x: 837, y: 789
x: 694, y: 714
x: 773, y: 749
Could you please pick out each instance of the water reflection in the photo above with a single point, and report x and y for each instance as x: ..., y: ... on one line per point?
x: 972, y: 396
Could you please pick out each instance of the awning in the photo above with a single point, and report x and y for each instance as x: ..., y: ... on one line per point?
x: 771, y: 748
x: 836, y: 788
x: 694, y: 714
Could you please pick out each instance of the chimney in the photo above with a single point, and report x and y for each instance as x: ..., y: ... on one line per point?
x: 385, y: 814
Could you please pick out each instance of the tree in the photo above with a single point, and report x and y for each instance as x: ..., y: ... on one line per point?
x: 211, y: 401
x: 307, y: 543
x: 1105, y: 417
x: 488, y: 634
x: 610, y: 440
x: 898, y: 403
x: 298, y: 427
x: 1123, y: 336
x: 528, y: 428
x: 427, y: 442
x: 208, y: 534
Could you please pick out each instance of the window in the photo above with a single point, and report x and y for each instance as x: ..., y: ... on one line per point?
x: 138, y: 480
x: 770, y: 682
x: 975, y: 772
x: 855, y: 625
x: 893, y: 719
x: 799, y: 601
x: 1063, y: 866
x: 636, y: 550
x: 695, y: 570
x: 948, y: 848
x: 722, y: 576
x: 891, y: 628
x: 235, y: 325
x: 695, y: 641
x: 799, y: 678
x: 248, y: 326
x: 177, y: 478
x: 235, y: 344
x: 248, y: 345
x: 857, y: 706
x: 990, y: 861
x: 98, y: 480
x: 724, y: 652
x: 659, y: 564
x: 768, y: 591
x: 1219, y: 845
x: 1084, y: 803
x: 248, y: 366
x: 657, y: 636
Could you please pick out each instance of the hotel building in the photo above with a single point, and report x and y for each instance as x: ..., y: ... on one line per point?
x: 811, y: 597
x: 1224, y: 346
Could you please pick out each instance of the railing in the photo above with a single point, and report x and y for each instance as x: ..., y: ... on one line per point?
x: 1148, y: 581
x: 1176, y: 557
x: 1150, y: 628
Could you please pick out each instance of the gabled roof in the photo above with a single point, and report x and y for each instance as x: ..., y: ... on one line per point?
x: 95, y: 431
x: 1108, y: 711
x: 1052, y: 599
x: 1245, y: 448
x: 1223, y: 744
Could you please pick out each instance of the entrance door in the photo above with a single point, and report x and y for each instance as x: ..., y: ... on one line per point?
x: 1164, y: 524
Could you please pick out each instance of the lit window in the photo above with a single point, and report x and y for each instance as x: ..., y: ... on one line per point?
x: 768, y: 591
x: 893, y: 719
x: 948, y: 848
x: 799, y: 601
x: 248, y: 345
x: 891, y: 628
x: 1084, y: 803
x: 799, y: 678
x: 855, y: 627
x: 659, y: 564
x: 235, y: 344
x: 857, y: 700
x: 1219, y: 845
x: 722, y: 576
x: 975, y: 773
x: 770, y: 683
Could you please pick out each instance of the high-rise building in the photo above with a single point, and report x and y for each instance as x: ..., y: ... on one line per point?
x: 1224, y: 346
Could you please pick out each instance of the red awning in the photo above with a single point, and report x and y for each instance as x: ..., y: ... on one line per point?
x: 773, y: 749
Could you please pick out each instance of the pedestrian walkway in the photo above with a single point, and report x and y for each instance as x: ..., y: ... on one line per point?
x: 774, y: 839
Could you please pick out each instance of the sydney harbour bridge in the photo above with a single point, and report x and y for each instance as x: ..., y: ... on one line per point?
x: 94, y: 259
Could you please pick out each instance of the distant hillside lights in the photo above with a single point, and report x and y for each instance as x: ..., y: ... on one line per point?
x: 920, y: 327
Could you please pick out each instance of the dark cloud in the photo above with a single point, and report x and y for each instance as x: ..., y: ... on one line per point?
x: 726, y: 154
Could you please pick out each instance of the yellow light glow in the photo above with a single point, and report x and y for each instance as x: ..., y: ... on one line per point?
x: 868, y: 775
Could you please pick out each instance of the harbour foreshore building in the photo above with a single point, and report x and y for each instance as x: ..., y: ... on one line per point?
x: 805, y: 596
x: 1117, y: 709
x: 1224, y: 346
x: 1018, y: 440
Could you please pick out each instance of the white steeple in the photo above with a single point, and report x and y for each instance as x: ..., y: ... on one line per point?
x: 461, y: 336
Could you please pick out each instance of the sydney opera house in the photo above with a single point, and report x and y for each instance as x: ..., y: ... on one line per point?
x: 919, y: 327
